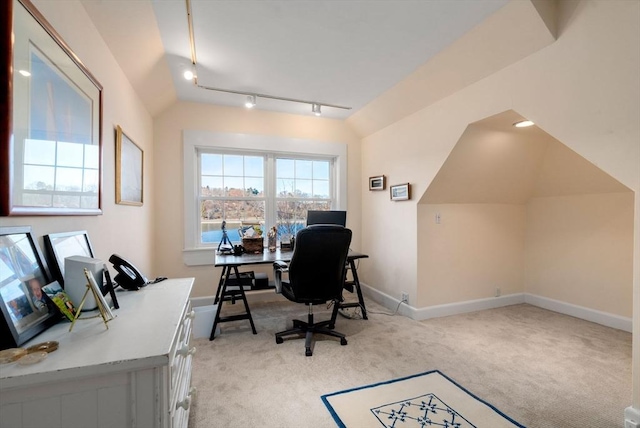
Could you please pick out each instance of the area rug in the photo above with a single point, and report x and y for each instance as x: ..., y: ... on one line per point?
x: 429, y: 399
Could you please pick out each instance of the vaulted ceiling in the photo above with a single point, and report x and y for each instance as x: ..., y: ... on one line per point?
x: 497, y: 163
x: 347, y: 53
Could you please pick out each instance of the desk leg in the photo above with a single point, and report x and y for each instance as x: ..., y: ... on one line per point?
x: 221, y: 282
x: 244, y: 299
x: 356, y: 283
x: 222, y: 288
x: 225, y: 295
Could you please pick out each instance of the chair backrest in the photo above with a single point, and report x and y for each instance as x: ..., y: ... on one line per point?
x: 317, y: 268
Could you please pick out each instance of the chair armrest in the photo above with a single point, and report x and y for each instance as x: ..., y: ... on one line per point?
x: 278, y: 268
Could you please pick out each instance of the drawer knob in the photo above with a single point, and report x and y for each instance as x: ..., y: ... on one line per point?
x: 185, y: 404
x: 191, y: 314
x: 184, y: 350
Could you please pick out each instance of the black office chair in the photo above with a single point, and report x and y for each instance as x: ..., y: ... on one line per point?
x: 316, y: 275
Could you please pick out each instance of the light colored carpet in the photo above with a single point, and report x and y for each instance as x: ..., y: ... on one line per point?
x: 541, y: 368
x: 424, y: 399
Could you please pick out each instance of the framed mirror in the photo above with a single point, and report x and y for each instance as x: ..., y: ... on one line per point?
x: 50, y: 135
x: 25, y: 309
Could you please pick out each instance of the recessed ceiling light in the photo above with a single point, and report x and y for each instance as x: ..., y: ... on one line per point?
x: 188, y: 75
x: 25, y: 73
x: 523, y: 124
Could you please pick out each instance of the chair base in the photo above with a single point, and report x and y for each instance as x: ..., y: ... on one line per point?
x: 308, y: 329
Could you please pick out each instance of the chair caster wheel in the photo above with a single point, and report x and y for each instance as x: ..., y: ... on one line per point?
x: 279, y: 340
x: 343, y: 341
x: 308, y: 352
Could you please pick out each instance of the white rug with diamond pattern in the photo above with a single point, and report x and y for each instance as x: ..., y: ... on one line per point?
x: 428, y: 399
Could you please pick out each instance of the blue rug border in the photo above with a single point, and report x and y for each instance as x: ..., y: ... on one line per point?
x: 340, y: 424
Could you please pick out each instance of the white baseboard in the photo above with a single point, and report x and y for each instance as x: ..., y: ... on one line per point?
x: 599, y: 317
x: 593, y: 315
x: 631, y: 417
x: 252, y: 297
x: 202, y: 301
x: 440, y: 310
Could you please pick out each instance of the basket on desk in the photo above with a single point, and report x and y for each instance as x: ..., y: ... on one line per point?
x: 253, y: 245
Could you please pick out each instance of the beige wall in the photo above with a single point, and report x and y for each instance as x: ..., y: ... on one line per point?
x: 564, y: 93
x: 181, y: 116
x: 582, y: 89
x: 121, y: 229
x: 496, y: 170
x: 579, y: 249
x: 473, y: 250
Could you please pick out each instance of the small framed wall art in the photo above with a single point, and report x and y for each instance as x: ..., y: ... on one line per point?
x: 401, y: 192
x: 377, y: 183
x: 129, y: 170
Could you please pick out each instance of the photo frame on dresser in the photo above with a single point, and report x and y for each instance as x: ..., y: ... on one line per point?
x: 26, y: 311
x: 59, y: 246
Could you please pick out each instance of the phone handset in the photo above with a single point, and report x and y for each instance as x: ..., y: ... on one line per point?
x: 128, y: 277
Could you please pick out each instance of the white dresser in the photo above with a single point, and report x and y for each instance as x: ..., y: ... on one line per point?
x: 135, y: 374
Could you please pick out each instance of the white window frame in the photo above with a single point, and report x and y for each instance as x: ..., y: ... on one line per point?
x: 193, y: 253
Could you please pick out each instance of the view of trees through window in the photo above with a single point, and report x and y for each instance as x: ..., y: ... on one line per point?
x: 233, y: 189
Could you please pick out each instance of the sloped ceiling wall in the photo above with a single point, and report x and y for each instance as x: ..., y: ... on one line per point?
x: 494, y: 162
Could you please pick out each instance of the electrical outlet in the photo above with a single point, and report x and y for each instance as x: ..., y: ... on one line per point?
x: 405, y: 297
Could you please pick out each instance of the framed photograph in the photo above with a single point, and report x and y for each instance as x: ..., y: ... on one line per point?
x: 59, y: 246
x: 25, y: 310
x: 129, y: 170
x: 401, y: 192
x: 50, y: 121
x: 377, y: 183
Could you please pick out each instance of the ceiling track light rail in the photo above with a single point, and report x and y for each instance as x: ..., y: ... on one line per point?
x: 192, y: 74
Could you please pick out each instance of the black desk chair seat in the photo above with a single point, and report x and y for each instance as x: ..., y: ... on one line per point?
x: 316, y: 275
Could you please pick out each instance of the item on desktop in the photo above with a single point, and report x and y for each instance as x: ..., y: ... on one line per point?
x: 225, y: 247
x: 75, y: 282
x: 61, y: 299
x: 327, y: 217
x: 110, y: 288
x: 128, y: 277
x: 272, y: 238
x: 252, y: 239
x: 287, y: 246
x: 238, y: 250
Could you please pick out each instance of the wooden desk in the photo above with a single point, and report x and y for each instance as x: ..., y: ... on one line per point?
x: 226, y: 293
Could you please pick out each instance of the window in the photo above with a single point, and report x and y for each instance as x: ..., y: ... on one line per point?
x: 232, y: 189
x: 301, y: 185
x: 246, y: 179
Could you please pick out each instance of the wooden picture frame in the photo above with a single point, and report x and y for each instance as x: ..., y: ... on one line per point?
x: 25, y: 311
x: 50, y: 121
x: 400, y: 192
x: 377, y: 182
x: 129, y: 170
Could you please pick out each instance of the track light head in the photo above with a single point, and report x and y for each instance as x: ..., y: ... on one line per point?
x: 251, y: 101
x: 315, y: 108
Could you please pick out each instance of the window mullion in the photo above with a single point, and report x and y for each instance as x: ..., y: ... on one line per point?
x: 270, y: 191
